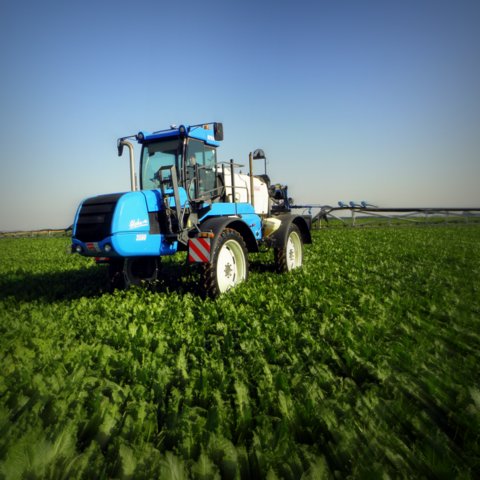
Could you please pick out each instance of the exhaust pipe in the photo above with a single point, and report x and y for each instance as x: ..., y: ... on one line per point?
x: 120, y: 144
x: 250, y: 164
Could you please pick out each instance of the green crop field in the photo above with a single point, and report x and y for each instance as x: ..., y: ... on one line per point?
x: 364, y: 364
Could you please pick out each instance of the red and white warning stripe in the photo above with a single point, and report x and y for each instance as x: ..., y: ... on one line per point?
x: 199, y: 250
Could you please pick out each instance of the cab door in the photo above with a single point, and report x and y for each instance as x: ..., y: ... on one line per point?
x: 201, y: 175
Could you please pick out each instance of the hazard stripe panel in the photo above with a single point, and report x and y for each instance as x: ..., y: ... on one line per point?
x: 199, y: 250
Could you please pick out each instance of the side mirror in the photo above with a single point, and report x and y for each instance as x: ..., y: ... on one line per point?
x: 259, y: 154
x: 218, y: 131
x: 120, y: 147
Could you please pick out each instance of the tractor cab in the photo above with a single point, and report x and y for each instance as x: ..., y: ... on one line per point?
x: 188, y: 153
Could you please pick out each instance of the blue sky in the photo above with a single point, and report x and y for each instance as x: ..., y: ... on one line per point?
x: 351, y: 100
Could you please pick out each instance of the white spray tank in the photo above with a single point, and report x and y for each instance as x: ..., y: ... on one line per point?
x: 243, y: 191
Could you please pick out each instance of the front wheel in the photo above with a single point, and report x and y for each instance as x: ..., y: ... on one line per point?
x: 137, y: 270
x: 290, y: 255
x: 228, y: 264
x: 116, y: 279
x: 124, y: 272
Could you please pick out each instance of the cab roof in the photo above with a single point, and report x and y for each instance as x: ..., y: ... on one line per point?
x: 203, y: 132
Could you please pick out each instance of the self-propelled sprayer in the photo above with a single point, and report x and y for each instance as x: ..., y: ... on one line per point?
x: 188, y: 201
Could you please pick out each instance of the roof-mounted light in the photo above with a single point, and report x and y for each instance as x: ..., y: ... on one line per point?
x: 140, y: 137
x: 182, y: 130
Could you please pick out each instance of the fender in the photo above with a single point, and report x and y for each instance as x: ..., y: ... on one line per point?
x: 218, y: 224
x: 279, y: 238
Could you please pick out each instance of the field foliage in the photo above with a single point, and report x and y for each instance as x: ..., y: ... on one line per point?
x: 364, y: 364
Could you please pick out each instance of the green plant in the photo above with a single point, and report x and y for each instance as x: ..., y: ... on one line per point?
x: 362, y: 363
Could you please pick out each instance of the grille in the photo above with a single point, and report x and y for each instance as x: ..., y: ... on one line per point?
x: 95, y: 218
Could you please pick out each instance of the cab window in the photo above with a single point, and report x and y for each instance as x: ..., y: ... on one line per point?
x: 202, y: 158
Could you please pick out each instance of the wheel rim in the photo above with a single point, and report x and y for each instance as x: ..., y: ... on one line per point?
x: 231, y: 266
x: 294, y: 251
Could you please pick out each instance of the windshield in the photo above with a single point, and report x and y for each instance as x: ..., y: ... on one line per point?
x: 156, y: 155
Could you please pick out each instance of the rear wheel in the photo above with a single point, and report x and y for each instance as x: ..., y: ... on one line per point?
x: 228, y: 264
x: 290, y: 256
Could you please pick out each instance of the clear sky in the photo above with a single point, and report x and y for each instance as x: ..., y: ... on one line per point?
x: 375, y: 100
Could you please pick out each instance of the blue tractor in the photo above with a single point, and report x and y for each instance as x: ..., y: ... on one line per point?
x: 189, y: 202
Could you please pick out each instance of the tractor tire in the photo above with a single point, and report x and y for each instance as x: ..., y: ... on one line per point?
x: 228, y: 264
x: 137, y: 270
x: 116, y: 279
x: 290, y: 255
